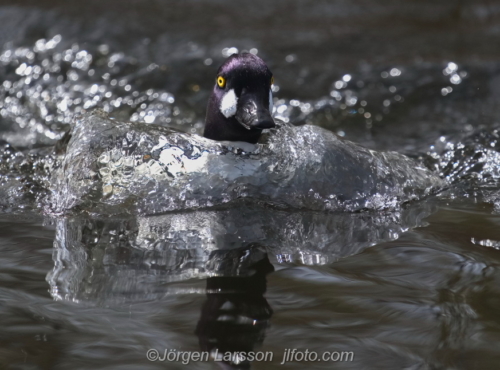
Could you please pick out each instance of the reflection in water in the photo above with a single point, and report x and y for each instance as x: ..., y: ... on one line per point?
x: 111, y: 262
x: 118, y: 260
x: 236, y: 314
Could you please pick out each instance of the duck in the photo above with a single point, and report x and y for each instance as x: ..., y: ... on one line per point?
x: 240, y: 105
x: 155, y: 169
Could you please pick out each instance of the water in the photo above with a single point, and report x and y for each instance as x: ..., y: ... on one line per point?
x: 404, y: 275
x: 110, y: 166
x: 425, y: 300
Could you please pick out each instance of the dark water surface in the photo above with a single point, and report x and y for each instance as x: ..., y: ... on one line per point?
x: 427, y: 300
x: 412, y: 288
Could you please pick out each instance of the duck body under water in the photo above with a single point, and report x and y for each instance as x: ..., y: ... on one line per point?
x: 115, y: 167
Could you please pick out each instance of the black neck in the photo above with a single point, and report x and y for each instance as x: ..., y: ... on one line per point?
x: 218, y: 127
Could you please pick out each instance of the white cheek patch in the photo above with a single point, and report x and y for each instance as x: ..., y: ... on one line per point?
x: 270, y: 101
x: 229, y: 104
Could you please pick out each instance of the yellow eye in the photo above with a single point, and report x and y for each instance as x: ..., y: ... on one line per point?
x: 272, y: 80
x: 221, y: 81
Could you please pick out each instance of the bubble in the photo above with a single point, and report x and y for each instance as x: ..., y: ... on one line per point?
x: 450, y: 68
x: 351, y: 101
x: 394, y: 72
x: 103, y: 49
x: 150, y: 117
x: 335, y: 94
x: 20, y: 70
x: 281, y: 109
x: 226, y: 52
x: 455, y: 79
x: 340, y: 85
x: 446, y: 90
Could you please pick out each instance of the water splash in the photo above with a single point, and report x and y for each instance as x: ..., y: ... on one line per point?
x: 116, y: 167
x: 474, y: 156
x: 46, y: 85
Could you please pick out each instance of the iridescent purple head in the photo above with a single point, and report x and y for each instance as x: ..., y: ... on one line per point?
x: 240, y: 105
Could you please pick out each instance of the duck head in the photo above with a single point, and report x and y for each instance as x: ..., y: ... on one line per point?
x: 240, y: 104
